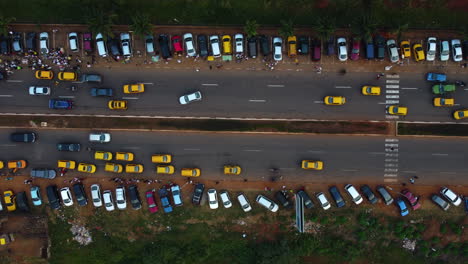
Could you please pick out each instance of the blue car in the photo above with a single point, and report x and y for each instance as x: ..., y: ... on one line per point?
x: 403, y: 209
x: 175, y: 190
x: 436, y: 77
x: 36, y: 195
x: 465, y: 199
x: 165, y: 200
x: 60, y: 104
x: 335, y: 193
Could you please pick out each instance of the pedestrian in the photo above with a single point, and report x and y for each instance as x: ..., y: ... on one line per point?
x: 217, y: 182
x: 416, y: 177
x: 211, y: 67
x: 284, y: 187
x: 245, y: 180
x: 411, y: 180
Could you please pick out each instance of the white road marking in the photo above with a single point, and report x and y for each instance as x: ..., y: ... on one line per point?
x: 391, y: 145
x: 392, y: 117
x: 393, y: 81
x: 15, y: 81
x: 391, y: 160
x: 148, y: 83
x: 7, y: 145
x: 392, y: 96
x: 6, y: 95
x: 318, y: 102
x: 392, y: 101
x: 343, y: 87
x: 448, y: 172
x: 130, y: 98
x: 391, y: 76
x: 194, y: 149
x: 392, y: 86
x: 316, y: 151
x: 391, y: 154
x: 409, y: 171
x: 132, y: 148
x: 391, y: 170
x: 376, y: 153
x: 66, y: 96
x: 209, y: 84
x: 392, y: 91
x: 77, y: 82
x: 275, y: 85
x: 390, y: 180
x: 439, y: 154
x: 390, y: 165
x: 257, y: 101
x: 466, y: 89
x: 349, y: 170
x: 252, y: 150
x: 391, y: 140
x: 410, y: 88
x: 391, y: 150
x: 390, y: 175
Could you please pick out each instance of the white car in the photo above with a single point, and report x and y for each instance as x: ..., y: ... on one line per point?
x: 216, y: 50
x: 457, y: 54
x: 73, y: 41
x: 213, y: 199
x: 189, y: 45
x: 323, y: 200
x: 1, y: 206
x: 188, y: 98
x: 431, y: 49
x: 224, y: 195
x: 267, y: 203
x: 444, y: 50
x: 239, y: 43
x: 342, y: 49
x: 149, y: 43
x: 108, y: 201
x: 96, y: 195
x: 39, y: 90
x: 100, y: 137
x: 101, y: 45
x: 451, y: 196
x: 244, y: 203
x: 277, y: 49
x: 355, y: 196
x: 125, y: 42
x: 120, y: 198
x: 392, y: 51
x: 44, y: 42
x: 66, y: 195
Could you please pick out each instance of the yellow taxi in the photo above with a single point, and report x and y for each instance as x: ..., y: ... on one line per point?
x: 161, y: 158
x: 232, y: 170
x: 134, y: 88
x: 312, y: 165
x: 397, y: 110
x: 117, y: 105
x: 45, y: 75
x: 85, y: 167
x: 371, y: 90
x: 134, y: 168
x: 102, y: 155
x: 113, y: 167
x: 460, y: 114
x: 17, y: 164
x: 438, y: 101
x: 169, y: 169
x: 10, y: 200
x: 2, y: 165
x: 67, y: 164
x: 334, y: 100
x: 292, y: 46
x: 68, y: 76
x: 195, y: 172
x: 227, y: 47
x: 405, y: 48
x: 418, y: 52
x: 126, y: 156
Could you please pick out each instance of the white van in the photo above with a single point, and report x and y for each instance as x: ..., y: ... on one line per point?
x: 244, y: 203
x: 73, y: 41
x: 267, y: 203
x: 214, y: 41
x: 357, y: 199
x: 101, y: 45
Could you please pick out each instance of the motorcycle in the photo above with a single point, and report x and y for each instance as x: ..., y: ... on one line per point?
x: 460, y: 83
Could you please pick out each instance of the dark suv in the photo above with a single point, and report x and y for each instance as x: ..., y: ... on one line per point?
x: 380, y: 46
x: 335, y: 193
x: 264, y: 45
x: 282, y: 197
x: 307, y: 201
x: 203, y: 45
x: 303, y: 45
x: 164, y: 46
x: 366, y: 190
x: 53, y: 197
x: 26, y: 137
x: 80, y: 194
x: 252, y: 47
x: 31, y: 41
x: 134, y: 197
x: 22, y: 201
x: 198, y: 193
x: 73, y: 147
x: 385, y: 195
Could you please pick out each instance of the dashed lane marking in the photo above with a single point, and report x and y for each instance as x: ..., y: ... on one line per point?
x: 209, y: 84
x: 7, y: 145
x: 148, y: 83
x: 192, y: 149
x: 15, y: 81
x: 257, y: 101
x: 66, y: 96
x: 343, y: 87
x: 130, y: 98
x: 392, y: 86
x: 275, y: 85
x: 392, y: 101
x: 392, y: 96
x: 253, y: 150
x: 440, y: 154
x: 410, y: 88
x: 6, y: 95
x: 392, y: 76
x: 392, y: 91
x: 391, y: 140
x: 390, y: 175
x: 376, y: 153
x: 349, y: 170
x: 392, y: 81
x: 318, y: 102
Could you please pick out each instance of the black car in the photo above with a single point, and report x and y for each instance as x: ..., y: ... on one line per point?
x: 73, y: 147
x: 113, y: 46
x: 163, y: 41
x: 22, y: 201
x: 252, y: 47
x: 440, y: 202
x: 17, y: 42
x: 306, y: 198
x: 385, y: 195
x: 465, y: 49
x: 316, y: 49
x: 282, y: 197
x: 80, y: 194
x: 198, y: 193
x: 53, y: 197
x: 4, y: 45
x: 303, y: 45
x: 134, y: 197
x: 331, y: 46
x: 367, y: 191
x: 380, y: 46
x: 335, y: 193
x: 26, y: 137
x: 203, y: 45
x: 264, y: 45
x: 101, y: 92
x: 31, y: 40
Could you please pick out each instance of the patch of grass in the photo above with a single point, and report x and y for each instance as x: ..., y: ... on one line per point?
x: 433, y: 129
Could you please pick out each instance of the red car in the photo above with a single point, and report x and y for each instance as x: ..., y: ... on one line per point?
x: 152, y: 206
x: 88, y: 42
x: 355, y: 48
x: 413, y: 200
x: 177, y: 44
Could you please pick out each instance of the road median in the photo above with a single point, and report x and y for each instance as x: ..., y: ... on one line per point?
x: 432, y: 129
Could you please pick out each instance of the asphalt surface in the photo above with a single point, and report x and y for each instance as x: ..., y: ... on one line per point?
x: 347, y: 159
x: 276, y: 95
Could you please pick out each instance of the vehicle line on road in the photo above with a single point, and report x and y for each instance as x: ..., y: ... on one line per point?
x: 252, y: 150
x: 376, y: 153
x: 316, y: 151
x: 7, y: 145
x: 343, y: 87
x: 409, y: 88
x: 130, y: 98
x: 6, y: 95
x: 66, y: 96
x: 192, y: 149
x: 257, y: 101
x: 439, y: 154
x: 15, y: 81
x: 275, y: 85
x: 318, y: 102
x: 149, y: 83
x: 209, y: 84
x: 350, y: 170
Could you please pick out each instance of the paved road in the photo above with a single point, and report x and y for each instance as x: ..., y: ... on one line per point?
x: 240, y: 95
x: 346, y: 158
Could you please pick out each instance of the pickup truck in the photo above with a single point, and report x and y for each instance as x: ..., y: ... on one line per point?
x: 163, y: 195
x: 443, y: 88
x: 436, y: 77
x: 60, y: 104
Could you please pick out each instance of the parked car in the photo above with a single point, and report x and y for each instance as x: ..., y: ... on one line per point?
x: 10, y: 200
x: 39, y: 90
x: 413, y: 200
x: 367, y: 191
x: 278, y: 49
x: 4, y: 45
x: 176, y: 195
x: 100, y: 137
x: 152, y: 205
x: 465, y: 49
x: 355, y: 196
x: 385, y: 195
x: 102, y: 92
x: 444, y: 50
x: 342, y: 49
x: 108, y: 201
x: 164, y: 46
x: 91, y: 77
x: 370, y: 48
x: 323, y: 200
x: 264, y: 45
x: 36, y: 195
x: 189, y: 98
x: 402, y: 206
x: 66, y: 195
x: 53, y: 197
x: 44, y: 43
x: 436, y: 77
x: 452, y: 197
x: 283, y: 198
x: 252, y: 47
x: 121, y: 198
x: 190, y: 45
x: 306, y: 198
x: 225, y: 199
x: 239, y: 43
x: 380, y: 45
x: 134, y: 197
x: 163, y: 195
x: 355, y: 49
x: 457, y: 53
x: 149, y: 44
x: 227, y: 46
x: 96, y: 196
x: 331, y: 46
x: 465, y: 200
x: 17, y: 42
x: 114, y: 47
x: 43, y: 173
x: 267, y: 203
x: 443, y: 88
x: 212, y: 199
x: 418, y: 52
x: 431, y: 49
x: 215, y: 48
x: 26, y: 137
x: 405, y: 48
x: 31, y: 41
x: 440, y: 202
x: 88, y: 42
x: 72, y: 147
x: 177, y: 46
x: 60, y: 104
x: 292, y: 46
x: 244, y: 203
x: 73, y: 41
x: 198, y: 193
x: 22, y: 201
x: 202, y: 45
x: 335, y: 193
x: 392, y: 51
x: 303, y: 45
x: 316, y: 50
x: 80, y: 194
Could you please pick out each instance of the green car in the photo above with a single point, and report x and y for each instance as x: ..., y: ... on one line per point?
x: 443, y: 88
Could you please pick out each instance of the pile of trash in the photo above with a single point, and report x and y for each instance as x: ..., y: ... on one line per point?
x: 409, y: 244
x: 81, y: 234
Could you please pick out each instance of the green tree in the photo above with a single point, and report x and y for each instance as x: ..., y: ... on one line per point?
x: 325, y: 26
x: 100, y: 21
x: 141, y: 25
x: 250, y: 28
x: 4, y: 24
x: 287, y: 29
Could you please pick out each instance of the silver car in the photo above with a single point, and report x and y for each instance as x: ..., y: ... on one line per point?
x: 120, y: 198
x: 188, y: 98
x: 392, y: 51
x: 277, y: 49
x: 39, y: 90
x: 66, y: 195
x: 96, y: 195
x: 239, y: 43
x: 431, y: 49
x: 73, y: 41
x: 44, y: 42
x: 215, y: 48
x: 189, y: 45
x: 125, y: 42
x: 342, y: 49
x: 108, y: 201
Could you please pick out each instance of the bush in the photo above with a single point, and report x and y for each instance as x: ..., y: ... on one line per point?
x: 435, y: 240
x: 443, y: 228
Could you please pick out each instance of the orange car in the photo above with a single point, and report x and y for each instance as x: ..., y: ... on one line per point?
x: 15, y: 165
